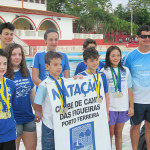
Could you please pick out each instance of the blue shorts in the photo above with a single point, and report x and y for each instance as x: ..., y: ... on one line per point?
x: 27, y: 127
x: 47, y: 138
x: 118, y: 117
x: 141, y: 112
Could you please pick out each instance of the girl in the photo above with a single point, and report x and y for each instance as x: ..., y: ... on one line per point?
x: 120, y: 94
x: 25, y: 120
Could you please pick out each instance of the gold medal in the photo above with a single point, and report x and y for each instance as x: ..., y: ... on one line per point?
x: 62, y: 110
x: 9, y: 114
x: 5, y: 115
x: 99, y: 99
x: 2, y: 115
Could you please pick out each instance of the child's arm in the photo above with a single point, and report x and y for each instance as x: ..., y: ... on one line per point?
x: 107, y: 104
x: 38, y: 112
x: 131, y: 108
x: 32, y: 95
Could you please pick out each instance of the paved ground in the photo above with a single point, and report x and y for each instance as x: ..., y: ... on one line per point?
x: 126, y: 138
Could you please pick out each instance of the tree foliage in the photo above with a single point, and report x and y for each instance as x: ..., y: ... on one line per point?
x: 96, y: 15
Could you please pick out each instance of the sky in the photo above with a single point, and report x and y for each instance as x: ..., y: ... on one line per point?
x: 116, y: 2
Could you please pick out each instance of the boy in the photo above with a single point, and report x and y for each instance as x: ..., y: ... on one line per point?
x: 42, y: 104
x: 39, y: 72
x: 7, y: 101
x: 6, y: 34
x: 91, y: 60
x: 82, y: 66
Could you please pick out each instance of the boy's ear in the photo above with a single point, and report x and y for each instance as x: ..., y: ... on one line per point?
x: 85, y: 62
x: 46, y: 66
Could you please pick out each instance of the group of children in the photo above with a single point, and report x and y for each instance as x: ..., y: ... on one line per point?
x: 17, y: 94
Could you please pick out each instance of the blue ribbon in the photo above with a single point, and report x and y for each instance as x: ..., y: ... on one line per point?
x: 61, y: 90
x: 119, y: 85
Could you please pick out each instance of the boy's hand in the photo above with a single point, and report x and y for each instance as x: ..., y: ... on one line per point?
x: 78, y: 76
x: 38, y: 116
x: 131, y: 111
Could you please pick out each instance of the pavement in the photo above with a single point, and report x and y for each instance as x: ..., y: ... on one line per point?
x: 126, y: 145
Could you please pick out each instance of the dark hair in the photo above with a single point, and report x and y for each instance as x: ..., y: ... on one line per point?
x: 6, y: 25
x: 3, y: 53
x: 50, y: 55
x: 107, y: 59
x: 23, y: 67
x: 89, y: 41
x: 90, y: 52
x: 49, y: 31
x: 143, y: 28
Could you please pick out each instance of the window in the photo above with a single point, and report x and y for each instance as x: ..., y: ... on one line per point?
x: 37, y: 1
x: 32, y: 1
x: 42, y: 1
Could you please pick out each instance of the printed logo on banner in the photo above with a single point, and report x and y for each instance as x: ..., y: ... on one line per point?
x: 82, y: 137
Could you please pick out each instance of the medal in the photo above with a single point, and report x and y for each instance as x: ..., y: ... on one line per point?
x: 4, y: 115
x: 117, y: 83
x: 120, y: 94
x: 65, y: 109
x: 62, y: 111
x: 61, y: 93
x: 99, y: 99
x: 117, y: 94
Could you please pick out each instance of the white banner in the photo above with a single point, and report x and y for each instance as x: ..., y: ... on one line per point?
x: 85, y: 125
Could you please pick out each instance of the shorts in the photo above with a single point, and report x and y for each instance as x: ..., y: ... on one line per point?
x: 27, y: 127
x: 10, y: 145
x: 47, y: 138
x: 118, y: 117
x: 141, y: 112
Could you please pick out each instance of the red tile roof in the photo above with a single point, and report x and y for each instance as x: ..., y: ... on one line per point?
x: 34, y: 12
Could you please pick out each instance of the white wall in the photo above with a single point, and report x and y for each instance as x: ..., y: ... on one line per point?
x: 66, y: 27
x: 65, y: 24
x: 29, y: 5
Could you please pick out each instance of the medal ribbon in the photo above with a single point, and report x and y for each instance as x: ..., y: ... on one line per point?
x: 117, y: 84
x: 60, y: 90
x: 5, y: 99
x: 97, y: 83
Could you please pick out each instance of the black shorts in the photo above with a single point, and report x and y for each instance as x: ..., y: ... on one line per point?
x: 141, y: 112
x: 10, y: 145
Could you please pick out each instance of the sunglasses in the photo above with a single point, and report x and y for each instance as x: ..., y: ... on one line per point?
x: 144, y: 36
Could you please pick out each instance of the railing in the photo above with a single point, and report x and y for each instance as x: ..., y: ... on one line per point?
x: 32, y: 34
x: 85, y: 36
x: 25, y: 34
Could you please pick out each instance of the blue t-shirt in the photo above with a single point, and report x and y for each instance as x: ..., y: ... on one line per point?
x: 139, y: 66
x: 8, y: 126
x: 82, y: 66
x: 23, y: 110
x: 39, y: 63
x: 84, y: 73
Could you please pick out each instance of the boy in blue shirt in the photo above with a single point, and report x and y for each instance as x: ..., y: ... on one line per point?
x: 82, y: 66
x: 39, y: 72
x: 91, y: 60
x: 7, y: 101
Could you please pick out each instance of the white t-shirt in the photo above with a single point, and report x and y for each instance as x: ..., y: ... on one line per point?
x: 42, y: 98
x: 118, y: 104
